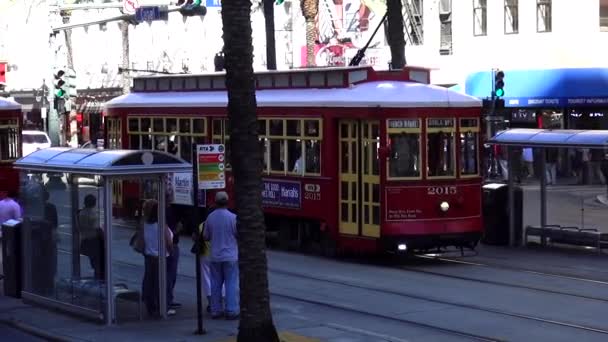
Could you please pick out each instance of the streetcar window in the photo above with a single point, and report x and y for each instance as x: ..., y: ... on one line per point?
x: 174, y: 135
x: 313, y: 156
x: 276, y: 127
x: 292, y: 146
x: 221, y: 135
x: 9, y: 140
x: 277, y: 155
x: 469, y: 138
x: 440, y: 147
x: 404, y: 159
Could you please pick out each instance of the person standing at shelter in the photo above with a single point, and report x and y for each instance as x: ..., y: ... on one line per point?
x: 9, y: 208
x: 221, y: 231
x: 528, y: 157
x: 551, y: 165
x: 92, y: 236
x: 173, y: 259
x: 150, y: 286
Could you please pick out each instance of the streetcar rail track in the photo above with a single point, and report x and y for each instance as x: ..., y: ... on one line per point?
x: 342, y: 307
x: 516, y: 269
x: 446, y: 302
x: 501, y: 283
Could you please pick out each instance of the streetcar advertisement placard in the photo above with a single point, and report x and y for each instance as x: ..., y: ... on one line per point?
x: 211, y: 165
x: 281, y: 193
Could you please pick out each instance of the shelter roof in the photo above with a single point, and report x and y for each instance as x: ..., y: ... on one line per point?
x: 102, y: 162
x: 383, y: 94
x: 551, y: 138
x: 6, y: 104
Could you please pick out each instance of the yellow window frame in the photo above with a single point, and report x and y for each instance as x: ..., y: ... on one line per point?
x: 446, y: 129
x: 139, y: 131
x: 469, y: 129
x: 285, y: 137
x: 395, y: 130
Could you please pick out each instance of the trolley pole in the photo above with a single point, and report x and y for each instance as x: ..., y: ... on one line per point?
x: 200, y: 330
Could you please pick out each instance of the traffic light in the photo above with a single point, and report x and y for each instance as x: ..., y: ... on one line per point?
x: 279, y: 2
x: 499, y: 84
x: 219, y: 61
x: 60, y: 84
x: 192, y: 8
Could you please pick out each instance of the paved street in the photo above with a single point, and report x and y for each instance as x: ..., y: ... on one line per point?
x: 513, y: 294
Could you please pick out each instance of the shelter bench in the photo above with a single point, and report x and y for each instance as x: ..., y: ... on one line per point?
x: 89, y: 288
x: 569, y: 235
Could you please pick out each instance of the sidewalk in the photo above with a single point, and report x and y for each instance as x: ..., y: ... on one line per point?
x: 56, y: 326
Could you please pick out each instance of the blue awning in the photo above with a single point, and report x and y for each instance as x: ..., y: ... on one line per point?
x: 545, y: 87
x: 551, y: 138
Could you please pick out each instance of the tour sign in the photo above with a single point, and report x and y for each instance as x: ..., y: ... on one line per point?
x: 211, y: 165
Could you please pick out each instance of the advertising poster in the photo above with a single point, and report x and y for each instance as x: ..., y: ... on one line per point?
x: 279, y: 193
x: 181, y: 190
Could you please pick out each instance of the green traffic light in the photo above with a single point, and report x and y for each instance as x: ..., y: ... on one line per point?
x: 500, y: 92
x: 60, y: 93
x: 279, y: 2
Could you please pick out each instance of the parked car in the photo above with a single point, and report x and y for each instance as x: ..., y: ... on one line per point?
x: 33, y: 141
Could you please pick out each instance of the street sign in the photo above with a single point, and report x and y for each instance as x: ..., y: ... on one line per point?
x: 211, y: 165
x: 148, y: 13
x: 129, y: 6
x: 213, y: 3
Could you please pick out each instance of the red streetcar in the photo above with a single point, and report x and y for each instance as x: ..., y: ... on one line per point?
x: 354, y: 159
x: 11, y: 120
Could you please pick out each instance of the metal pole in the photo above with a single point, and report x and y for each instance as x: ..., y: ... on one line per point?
x: 543, y: 193
x: 75, y: 232
x: 107, y: 219
x: 200, y: 330
x: 511, y: 196
x: 162, y: 254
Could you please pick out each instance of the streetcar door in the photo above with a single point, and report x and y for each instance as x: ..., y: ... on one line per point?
x: 359, y: 186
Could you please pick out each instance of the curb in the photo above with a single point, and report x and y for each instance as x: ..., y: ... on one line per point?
x: 32, y: 330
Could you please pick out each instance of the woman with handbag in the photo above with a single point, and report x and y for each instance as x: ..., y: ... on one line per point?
x: 150, y: 286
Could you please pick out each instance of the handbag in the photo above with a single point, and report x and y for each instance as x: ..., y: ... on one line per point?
x: 200, y: 246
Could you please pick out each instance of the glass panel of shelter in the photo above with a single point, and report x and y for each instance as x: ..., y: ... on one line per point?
x: 63, y: 244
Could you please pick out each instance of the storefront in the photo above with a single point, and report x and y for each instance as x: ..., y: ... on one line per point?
x: 550, y: 99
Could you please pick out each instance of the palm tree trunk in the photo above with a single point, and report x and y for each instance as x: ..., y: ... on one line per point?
x: 271, y: 52
x: 256, y: 318
x: 396, y: 39
x: 310, y: 42
x: 126, y: 82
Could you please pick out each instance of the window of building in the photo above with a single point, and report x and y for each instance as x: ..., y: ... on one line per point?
x: 480, y: 18
x: 440, y: 147
x: 291, y: 146
x: 511, y: 16
x: 445, y: 19
x: 114, y: 133
x: 604, y: 15
x: 469, y: 146
x: 169, y: 134
x: 404, y: 139
x: 9, y: 140
x: 543, y: 15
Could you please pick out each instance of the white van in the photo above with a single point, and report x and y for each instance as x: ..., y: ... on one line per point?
x: 33, y: 141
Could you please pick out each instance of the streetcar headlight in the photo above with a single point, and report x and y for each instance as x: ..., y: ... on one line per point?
x: 402, y: 247
x: 444, y: 206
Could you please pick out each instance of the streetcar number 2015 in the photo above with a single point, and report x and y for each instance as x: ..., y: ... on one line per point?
x: 441, y: 190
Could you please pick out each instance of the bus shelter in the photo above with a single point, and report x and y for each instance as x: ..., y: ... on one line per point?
x: 76, y: 256
x: 544, y: 139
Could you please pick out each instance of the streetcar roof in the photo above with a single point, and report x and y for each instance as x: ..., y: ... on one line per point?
x: 102, y: 162
x: 528, y: 137
x: 6, y: 104
x: 387, y: 94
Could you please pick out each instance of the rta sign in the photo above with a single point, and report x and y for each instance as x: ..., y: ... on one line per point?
x: 130, y: 6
